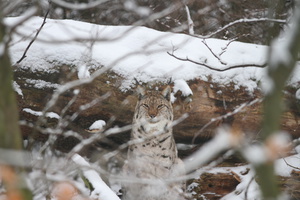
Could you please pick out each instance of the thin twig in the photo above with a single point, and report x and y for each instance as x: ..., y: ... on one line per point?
x: 237, y: 110
x: 139, y: 140
x: 290, y: 164
x: 226, y: 47
x: 213, y: 53
x: 238, y: 22
x: 218, y: 69
x: 34, y: 38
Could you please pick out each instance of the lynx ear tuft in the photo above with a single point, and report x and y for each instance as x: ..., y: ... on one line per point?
x: 167, y: 93
x: 140, y: 92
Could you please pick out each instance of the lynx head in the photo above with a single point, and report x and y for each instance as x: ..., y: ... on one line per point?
x: 153, y: 106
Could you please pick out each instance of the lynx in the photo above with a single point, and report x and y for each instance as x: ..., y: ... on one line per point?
x: 152, y: 158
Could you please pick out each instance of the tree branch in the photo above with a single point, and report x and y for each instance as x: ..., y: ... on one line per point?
x: 189, y: 20
x: 218, y: 69
x: 34, y: 38
x: 239, y: 21
x: 213, y: 53
x: 282, y: 61
x: 290, y: 164
x: 78, y: 6
x: 237, y: 110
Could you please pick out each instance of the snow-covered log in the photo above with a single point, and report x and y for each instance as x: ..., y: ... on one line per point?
x: 216, y: 81
x: 209, y: 105
x: 77, y: 73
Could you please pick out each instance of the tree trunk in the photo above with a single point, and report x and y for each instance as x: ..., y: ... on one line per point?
x: 10, y: 136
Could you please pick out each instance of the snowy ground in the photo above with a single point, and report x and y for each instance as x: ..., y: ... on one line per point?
x: 142, y: 53
x: 137, y: 52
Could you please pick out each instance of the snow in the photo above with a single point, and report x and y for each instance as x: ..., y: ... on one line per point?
x: 40, y: 84
x: 101, y: 190
x: 282, y: 168
x: 246, y: 175
x: 190, y: 21
x: 39, y: 113
x: 141, y: 53
x: 181, y: 85
x: 222, y: 141
x: 17, y: 88
x: 280, y: 53
x: 181, y: 146
x: 83, y: 72
x: 255, y: 154
x: 276, y: 146
x: 137, y: 52
x: 247, y: 184
x: 140, y: 10
x: 97, y: 125
x: 267, y: 85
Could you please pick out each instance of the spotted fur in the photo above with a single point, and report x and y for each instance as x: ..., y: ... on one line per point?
x: 154, y: 157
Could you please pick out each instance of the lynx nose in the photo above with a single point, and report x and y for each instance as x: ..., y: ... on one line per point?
x: 152, y: 116
x: 152, y: 113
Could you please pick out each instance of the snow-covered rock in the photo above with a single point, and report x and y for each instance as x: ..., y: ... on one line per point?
x: 97, y: 125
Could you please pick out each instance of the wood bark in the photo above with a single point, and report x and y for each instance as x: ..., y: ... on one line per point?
x: 10, y: 136
x: 214, y: 186
x: 279, y: 71
x: 209, y: 101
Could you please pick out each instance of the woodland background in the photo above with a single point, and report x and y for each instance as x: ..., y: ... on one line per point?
x: 49, y: 142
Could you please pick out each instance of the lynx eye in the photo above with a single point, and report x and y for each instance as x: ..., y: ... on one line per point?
x: 145, y: 106
x: 160, y: 106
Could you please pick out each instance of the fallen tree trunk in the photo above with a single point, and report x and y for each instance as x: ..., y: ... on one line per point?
x: 214, y: 186
x: 211, y: 105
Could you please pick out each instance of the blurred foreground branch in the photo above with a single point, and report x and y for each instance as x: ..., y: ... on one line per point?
x: 282, y: 61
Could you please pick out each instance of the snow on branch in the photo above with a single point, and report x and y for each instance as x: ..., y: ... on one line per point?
x: 101, y: 190
x: 78, y: 6
x: 237, y: 110
x: 239, y: 21
x: 190, y: 21
x: 225, y: 139
x: 97, y: 137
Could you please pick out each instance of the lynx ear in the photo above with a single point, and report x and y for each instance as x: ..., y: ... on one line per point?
x: 140, y: 92
x: 167, y: 93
